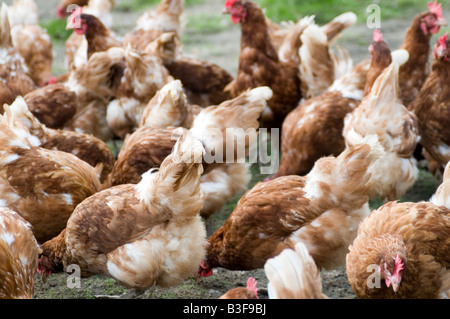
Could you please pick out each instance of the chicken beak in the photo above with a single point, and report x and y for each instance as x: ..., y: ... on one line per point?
x: 442, y: 22
x: 225, y: 11
x: 395, y: 286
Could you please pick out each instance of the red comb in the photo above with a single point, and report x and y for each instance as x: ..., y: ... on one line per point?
x: 60, y: 12
x: 443, y: 40
x: 377, y: 35
x: 251, y: 285
x: 76, y: 12
x: 52, y: 80
x: 73, y: 21
x: 436, y: 8
x: 398, y: 265
x: 229, y: 3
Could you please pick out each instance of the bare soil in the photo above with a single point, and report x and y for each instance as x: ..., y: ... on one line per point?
x: 221, y: 48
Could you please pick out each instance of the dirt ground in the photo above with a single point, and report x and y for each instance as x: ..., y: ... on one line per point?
x: 221, y: 48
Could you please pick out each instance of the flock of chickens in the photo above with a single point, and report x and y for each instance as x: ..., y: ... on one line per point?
x: 349, y: 133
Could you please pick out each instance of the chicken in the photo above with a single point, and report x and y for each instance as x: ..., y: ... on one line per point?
x: 54, y: 104
x: 382, y: 113
x: 432, y: 107
x: 413, y: 73
x: 402, y: 251
x: 14, y: 79
x: 142, y: 150
x: 102, y: 9
x: 31, y: 41
x: 319, y: 66
x: 143, y: 76
x: 335, y: 27
x: 203, y: 81
x: 288, y: 50
x: 314, y: 128
x: 235, y: 120
x: 220, y: 186
x: 43, y: 186
x: 80, y: 103
x: 19, y: 253
x: 293, y: 274
x: 249, y: 292
x: 168, y: 16
x: 279, y: 33
x: 322, y: 210
x: 156, y: 220
x: 84, y: 146
x: 441, y: 196
x: 95, y: 84
x: 66, y: 7
x: 381, y: 58
x: 260, y: 65
x: 168, y: 107
x: 90, y: 36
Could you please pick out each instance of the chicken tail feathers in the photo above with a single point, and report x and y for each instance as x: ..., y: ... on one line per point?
x: 231, y: 127
x: 175, y: 186
x: 335, y: 27
x: 13, y: 134
x: 293, y: 274
x: 346, y: 176
x: 5, y: 27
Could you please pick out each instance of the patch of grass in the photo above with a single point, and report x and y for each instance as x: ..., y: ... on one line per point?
x: 207, y: 23
x: 56, y: 28
x: 326, y: 10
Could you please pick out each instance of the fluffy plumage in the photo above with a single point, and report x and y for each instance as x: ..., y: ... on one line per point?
x: 84, y: 146
x: 322, y: 210
x: 414, y: 72
x: 382, y: 113
x: 204, y: 82
x: 147, y: 147
x: 95, y: 84
x: 19, y: 256
x: 248, y: 292
x: 293, y: 274
x: 260, y: 65
x: 31, y: 41
x: 14, y: 78
x: 90, y: 36
x: 143, y: 76
x: 314, y: 128
x: 406, y: 246
x: 54, y: 104
x: 432, y: 107
x: 442, y: 195
x: 319, y: 66
x: 168, y: 16
x: 43, y: 186
x: 154, y: 235
x: 169, y: 107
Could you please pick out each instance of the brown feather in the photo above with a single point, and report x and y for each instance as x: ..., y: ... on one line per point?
x: 419, y: 233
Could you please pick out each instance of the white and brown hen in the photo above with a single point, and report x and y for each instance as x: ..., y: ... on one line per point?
x: 322, y: 210
x: 381, y: 112
x: 43, y: 186
x: 144, y: 234
x: 19, y: 254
